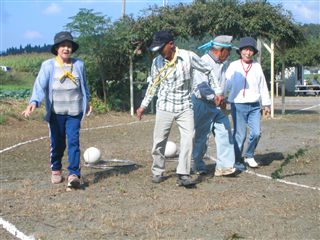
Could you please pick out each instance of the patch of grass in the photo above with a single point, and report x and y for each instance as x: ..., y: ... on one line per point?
x: 11, y: 110
x: 235, y: 236
x: 277, y: 173
x: 2, y: 119
x: 17, y: 80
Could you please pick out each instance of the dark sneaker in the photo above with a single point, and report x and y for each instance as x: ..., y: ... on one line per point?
x: 201, y: 172
x: 185, y: 181
x: 56, y: 177
x: 240, y: 166
x: 73, y: 181
x: 158, y: 178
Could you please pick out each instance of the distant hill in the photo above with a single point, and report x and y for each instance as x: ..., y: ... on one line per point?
x: 26, y: 49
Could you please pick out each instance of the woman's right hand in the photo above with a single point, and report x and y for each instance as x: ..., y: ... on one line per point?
x: 31, y: 107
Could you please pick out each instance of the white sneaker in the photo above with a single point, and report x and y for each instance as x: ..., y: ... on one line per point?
x: 251, y: 162
x: 226, y: 172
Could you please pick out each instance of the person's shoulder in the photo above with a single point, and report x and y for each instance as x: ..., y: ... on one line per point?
x: 158, y: 59
x: 256, y: 65
x: 48, y: 64
x: 254, y: 62
x: 48, y: 61
x: 78, y: 61
x: 235, y: 62
x: 205, y: 56
x: 186, y: 54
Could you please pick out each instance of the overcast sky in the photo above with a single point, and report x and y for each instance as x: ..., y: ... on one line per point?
x: 36, y: 22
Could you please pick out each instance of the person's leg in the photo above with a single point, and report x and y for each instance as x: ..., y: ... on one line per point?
x: 73, y: 125
x: 239, y: 113
x: 185, y: 124
x: 57, y: 140
x: 161, y: 132
x: 254, y: 124
x: 224, y: 141
x: 202, y: 125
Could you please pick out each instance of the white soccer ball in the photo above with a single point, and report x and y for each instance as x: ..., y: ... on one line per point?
x: 170, y: 150
x: 92, y: 155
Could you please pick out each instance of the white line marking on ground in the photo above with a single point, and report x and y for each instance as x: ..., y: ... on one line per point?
x: 117, y: 125
x: 278, y: 180
x: 84, y: 129
x: 14, y: 231
x: 281, y: 180
x: 303, y: 109
x: 22, y: 143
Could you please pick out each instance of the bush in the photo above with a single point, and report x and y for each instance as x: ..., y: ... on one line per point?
x: 98, y: 105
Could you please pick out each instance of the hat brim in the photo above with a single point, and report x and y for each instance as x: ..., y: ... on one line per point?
x: 156, y: 46
x: 255, y: 51
x: 75, y: 47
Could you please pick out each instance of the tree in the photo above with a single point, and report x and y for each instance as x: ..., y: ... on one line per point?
x: 91, y: 30
x: 108, y: 47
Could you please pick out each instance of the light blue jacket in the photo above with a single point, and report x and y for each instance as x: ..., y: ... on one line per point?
x: 42, y: 87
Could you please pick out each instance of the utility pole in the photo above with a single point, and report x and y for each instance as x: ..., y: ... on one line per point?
x: 164, y: 3
x: 123, y: 8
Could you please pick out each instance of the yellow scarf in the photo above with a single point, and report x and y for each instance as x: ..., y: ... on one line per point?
x: 66, y: 74
x: 158, y: 78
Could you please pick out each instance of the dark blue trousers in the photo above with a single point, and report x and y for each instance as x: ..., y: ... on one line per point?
x: 65, y: 128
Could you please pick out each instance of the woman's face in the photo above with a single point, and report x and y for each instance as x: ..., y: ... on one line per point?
x: 64, y: 50
x: 247, y: 53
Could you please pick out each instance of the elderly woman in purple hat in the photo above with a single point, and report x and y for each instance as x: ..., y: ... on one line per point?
x: 62, y: 82
x: 248, y: 94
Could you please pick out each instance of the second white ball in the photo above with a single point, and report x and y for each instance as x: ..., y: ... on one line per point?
x: 170, y: 150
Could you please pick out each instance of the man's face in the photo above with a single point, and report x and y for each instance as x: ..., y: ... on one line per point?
x: 167, y: 50
x: 224, y: 54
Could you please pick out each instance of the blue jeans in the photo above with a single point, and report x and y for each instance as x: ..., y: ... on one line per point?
x: 208, y: 117
x: 64, y: 127
x: 246, y: 115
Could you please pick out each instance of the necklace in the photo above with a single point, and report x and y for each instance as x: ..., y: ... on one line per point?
x: 246, y: 71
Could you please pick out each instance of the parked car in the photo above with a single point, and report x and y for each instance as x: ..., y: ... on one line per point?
x: 5, y: 68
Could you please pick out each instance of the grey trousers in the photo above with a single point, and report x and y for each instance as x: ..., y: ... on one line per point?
x: 163, y: 124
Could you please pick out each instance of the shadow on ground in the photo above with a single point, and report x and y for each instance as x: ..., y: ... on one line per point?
x: 267, y: 158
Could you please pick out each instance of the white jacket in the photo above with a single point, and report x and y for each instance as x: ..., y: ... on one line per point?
x: 250, y: 89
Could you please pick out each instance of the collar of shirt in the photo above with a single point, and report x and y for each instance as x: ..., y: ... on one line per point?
x: 179, y: 56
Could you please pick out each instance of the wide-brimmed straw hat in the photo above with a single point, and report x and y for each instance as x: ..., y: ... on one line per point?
x: 248, y: 42
x: 61, y: 37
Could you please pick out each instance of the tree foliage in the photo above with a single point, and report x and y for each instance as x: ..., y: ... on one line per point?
x: 108, y: 47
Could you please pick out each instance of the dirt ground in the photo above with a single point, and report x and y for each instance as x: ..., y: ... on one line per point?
x: 122, y: 203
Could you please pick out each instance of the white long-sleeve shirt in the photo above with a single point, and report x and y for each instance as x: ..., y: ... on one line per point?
x: 246, y: 89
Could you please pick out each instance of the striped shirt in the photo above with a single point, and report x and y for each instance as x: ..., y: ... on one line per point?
x: 174, y: 90
x: 67, y: 96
